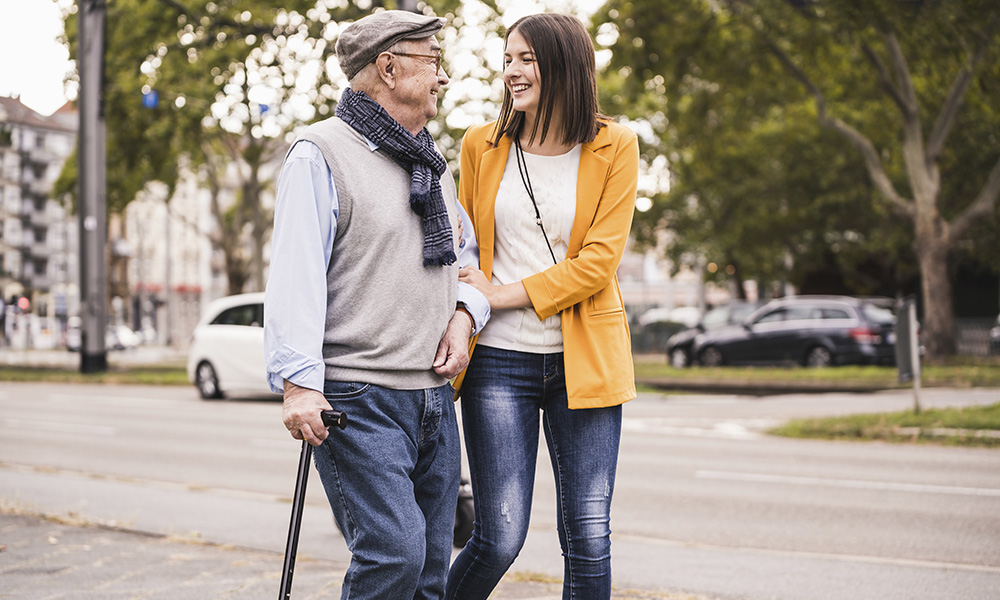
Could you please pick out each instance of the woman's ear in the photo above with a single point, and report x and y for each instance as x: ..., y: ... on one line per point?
x: 386, y: 68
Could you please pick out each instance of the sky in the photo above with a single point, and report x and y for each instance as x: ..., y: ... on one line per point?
x: 35, y: 63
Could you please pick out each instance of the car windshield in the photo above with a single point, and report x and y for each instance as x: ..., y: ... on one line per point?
x: 878, y: 314
x: 715, y: 317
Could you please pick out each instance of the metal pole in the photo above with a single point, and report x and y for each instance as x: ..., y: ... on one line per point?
x: 914, y: 355
x: 91, y: 153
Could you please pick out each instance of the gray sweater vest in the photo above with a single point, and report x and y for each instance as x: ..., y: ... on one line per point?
x: 386, y: 312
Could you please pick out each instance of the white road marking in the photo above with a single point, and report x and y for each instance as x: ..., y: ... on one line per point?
x: 853, y: 558
x: 848, y: 483
x: 55, y: 426
x: 724, y: 429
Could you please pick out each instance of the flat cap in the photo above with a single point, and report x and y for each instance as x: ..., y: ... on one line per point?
x: 363, y: 40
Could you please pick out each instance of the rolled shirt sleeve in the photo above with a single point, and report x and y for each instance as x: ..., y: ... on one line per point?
x: 305, y: 222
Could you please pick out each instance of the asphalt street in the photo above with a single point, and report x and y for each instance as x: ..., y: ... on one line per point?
x: 705, y: 501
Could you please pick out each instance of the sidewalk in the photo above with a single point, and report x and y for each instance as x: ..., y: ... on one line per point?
x: 43, y: 559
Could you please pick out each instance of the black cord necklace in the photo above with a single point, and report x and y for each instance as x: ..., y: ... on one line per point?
x: 522, y: 168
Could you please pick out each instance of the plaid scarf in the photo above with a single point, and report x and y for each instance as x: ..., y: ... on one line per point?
x: 420, y: 157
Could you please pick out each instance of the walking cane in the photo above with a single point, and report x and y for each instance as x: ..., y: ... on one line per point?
x: 331, y: 418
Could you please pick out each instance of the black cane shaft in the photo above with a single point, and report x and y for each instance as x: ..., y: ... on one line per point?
x: 331, y: 418
x: 291, y: 546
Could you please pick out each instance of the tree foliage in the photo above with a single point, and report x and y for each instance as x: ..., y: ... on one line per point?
x: 801, y: 130
x: 233, y: 80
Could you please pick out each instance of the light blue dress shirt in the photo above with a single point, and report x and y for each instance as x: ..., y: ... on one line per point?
x: 301, y: 245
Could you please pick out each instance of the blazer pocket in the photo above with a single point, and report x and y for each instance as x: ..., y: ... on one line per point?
x: 606, y: 302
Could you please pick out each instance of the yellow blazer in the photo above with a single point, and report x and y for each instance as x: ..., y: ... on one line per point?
x: 583, y: 288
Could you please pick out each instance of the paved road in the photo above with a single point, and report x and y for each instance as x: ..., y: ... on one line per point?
x: 704, y: 503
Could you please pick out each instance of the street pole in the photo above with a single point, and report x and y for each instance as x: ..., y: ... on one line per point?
x: 911, y: 314
x: 91, y: 153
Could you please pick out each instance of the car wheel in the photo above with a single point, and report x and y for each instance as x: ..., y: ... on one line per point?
x: 207, y: 381
x: 819, y: 356
x: 711, y: 357
x: 678, y: 358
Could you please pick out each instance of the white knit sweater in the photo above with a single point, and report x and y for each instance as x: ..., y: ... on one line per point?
x: 520, y: 249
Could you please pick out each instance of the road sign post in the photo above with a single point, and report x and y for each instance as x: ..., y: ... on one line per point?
x: 908, y: 347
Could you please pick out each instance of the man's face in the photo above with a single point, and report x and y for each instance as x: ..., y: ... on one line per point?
x: 419, y: 81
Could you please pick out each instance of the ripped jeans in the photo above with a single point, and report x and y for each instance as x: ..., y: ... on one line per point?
x: 503, y: 396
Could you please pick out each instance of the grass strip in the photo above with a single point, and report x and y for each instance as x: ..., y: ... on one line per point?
x: 132, y: 375
x: 977, y: 426
x: 959, y: 373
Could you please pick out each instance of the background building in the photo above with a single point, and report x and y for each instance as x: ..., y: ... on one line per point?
x: 39, y: 273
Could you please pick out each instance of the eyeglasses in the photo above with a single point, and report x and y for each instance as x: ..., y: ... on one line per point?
x: 435, y: 57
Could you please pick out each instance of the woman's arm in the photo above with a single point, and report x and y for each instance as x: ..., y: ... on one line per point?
x: 578, y: 278
x: 510, y: 295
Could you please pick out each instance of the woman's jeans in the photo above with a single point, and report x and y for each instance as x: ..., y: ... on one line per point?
x: 392, y: 480
x: 503, y: 393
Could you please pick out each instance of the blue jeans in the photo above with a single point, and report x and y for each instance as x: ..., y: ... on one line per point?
x: 392, y: 480
x: 503, y: 394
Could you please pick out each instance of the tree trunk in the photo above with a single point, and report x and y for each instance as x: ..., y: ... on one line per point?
x: 938, y: 328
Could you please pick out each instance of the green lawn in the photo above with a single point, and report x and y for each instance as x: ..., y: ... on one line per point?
x: 970, y: 426
x: 144, y: 375
x: 958, y: 372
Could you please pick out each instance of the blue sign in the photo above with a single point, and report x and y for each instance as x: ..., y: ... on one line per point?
x: 150, y: 99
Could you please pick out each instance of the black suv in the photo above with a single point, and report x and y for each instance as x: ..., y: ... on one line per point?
x: 679, y: 345
x: 815, y: 331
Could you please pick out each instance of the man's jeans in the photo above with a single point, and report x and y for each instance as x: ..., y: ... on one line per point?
x: 392, y: 480
x: 501, y: 398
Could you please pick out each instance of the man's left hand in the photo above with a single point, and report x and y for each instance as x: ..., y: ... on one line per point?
x: 453, y: 351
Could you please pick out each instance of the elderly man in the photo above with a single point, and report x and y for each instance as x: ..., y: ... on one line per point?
x: 364, y: 312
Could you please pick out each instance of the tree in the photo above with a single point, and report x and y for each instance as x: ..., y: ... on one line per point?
x: 234, y: 79
x: 889, y: 80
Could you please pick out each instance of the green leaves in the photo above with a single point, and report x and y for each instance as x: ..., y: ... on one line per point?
x: 757, y: 179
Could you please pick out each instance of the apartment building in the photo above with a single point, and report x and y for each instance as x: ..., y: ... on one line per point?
x: 38, y: 235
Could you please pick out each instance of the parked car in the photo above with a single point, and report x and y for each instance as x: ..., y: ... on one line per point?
x: 74, y: 333
x: 227, y: 348
x: 679, y: 344
x: 120, y: 337
x: 995, y: 337
x: 815, y: 331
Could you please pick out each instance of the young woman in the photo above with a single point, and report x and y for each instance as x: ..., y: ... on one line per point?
x: 550, y: 188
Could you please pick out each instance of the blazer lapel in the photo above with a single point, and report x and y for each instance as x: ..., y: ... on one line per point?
x: 590, y: 182
x: 491, y: 172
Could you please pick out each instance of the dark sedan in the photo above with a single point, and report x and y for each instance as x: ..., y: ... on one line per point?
x: 815, y: 331
x: 679, y: 345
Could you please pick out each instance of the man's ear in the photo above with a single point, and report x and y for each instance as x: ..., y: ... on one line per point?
x: 386, y: 68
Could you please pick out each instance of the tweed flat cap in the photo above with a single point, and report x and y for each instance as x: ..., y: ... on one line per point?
x: 363, y: 40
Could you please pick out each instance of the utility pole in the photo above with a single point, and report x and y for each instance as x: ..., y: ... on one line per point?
x: 92, y: 154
